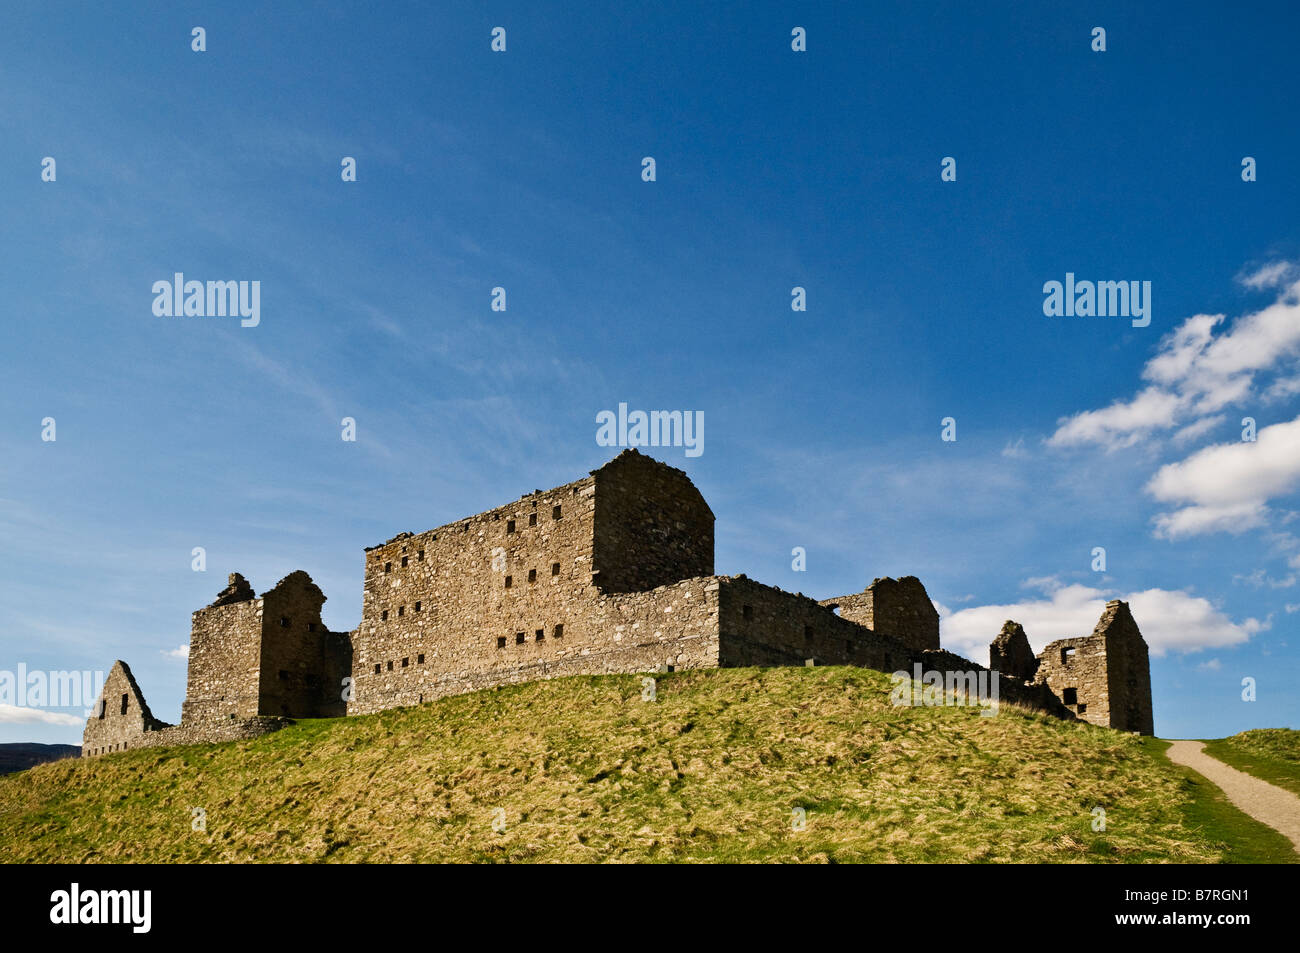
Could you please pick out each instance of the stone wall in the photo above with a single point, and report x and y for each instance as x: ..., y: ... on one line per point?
x: 302, y: 664
x: 522, y: 588
x: 1130, y: 670
x: 1103, y: 678
x: 267, y: 656
x: 224, y: 677
x: 508, y: 589
x: 764, y: 625
x: 1011, y: 654
x: 612, y: 573
x: 120, y: 717
x: 1011, y: 690
x: 898, y: 608
x: 652, y: 526
x: 669, y: 628
x: 1076, y: 671
x: 121, y: 721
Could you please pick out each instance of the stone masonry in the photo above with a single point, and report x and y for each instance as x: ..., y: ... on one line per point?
x: 1104, y: 678
x: 612, y: 573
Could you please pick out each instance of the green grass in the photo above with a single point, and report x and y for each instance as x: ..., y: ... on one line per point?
x: 1270, y: 754
x: 581, y: 769
x: 1241, y: 838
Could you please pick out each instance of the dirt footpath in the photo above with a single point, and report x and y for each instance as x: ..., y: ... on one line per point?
x: 1266, y: 803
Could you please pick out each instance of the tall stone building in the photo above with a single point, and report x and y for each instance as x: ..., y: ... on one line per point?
x: 610, y: 573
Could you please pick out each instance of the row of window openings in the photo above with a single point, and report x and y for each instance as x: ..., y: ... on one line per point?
x: 510, y: 528
x: 406, y: 662
x: 388, y: 567
x: 539, y: 635
x: 532, y: 519
x: 532, y: 575
x: 401, y: 610
x: 107, y: 748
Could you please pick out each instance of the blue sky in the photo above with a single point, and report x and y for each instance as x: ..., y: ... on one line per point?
x: 775, y: 169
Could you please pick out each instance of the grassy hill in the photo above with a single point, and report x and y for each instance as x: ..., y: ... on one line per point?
x: 582, y: 769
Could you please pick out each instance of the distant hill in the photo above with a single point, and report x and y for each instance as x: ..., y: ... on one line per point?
x: 780, y: 764
x: 24, y: 754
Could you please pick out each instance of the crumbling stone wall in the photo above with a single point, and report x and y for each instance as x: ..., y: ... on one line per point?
x: 764, y: 625
x: 120, y: 717
x: 1129, y: 682
x: 268, y: 656
x: 668, y: 628
x: 611, y: 573
x: 224, y: 678
x: 1011, y: 654
x: 898, y: 608
x: 121, y: 721
x: 301, y: 663
x: 1104, y: 678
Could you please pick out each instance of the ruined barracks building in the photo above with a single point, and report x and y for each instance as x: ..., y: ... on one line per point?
x: 611, y: 573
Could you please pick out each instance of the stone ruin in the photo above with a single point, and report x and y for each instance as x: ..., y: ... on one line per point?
x: 612, y: 573
x: 1103, y: 678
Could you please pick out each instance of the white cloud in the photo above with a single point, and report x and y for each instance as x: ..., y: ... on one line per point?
x: 1199, y: 429
x: 1211, y: 665
x: 1170, y: 620
x: 181, y: 651
x: 1195, y: 520
x: 14, y: 715
x: 1122, y: 424
x: 1226, y: 487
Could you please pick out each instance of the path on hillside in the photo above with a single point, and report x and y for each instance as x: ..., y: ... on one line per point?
x: 1266, y: 803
